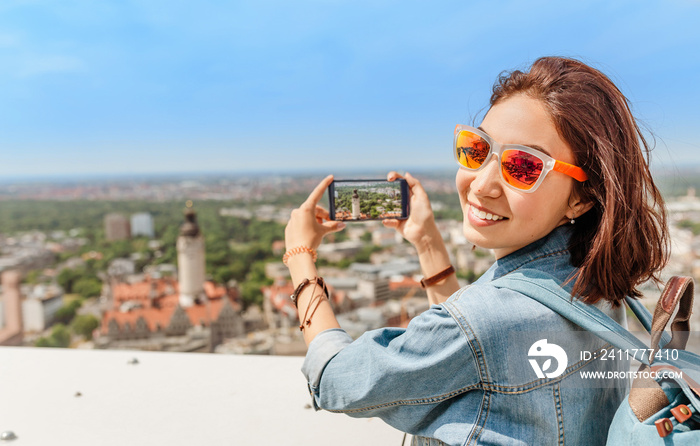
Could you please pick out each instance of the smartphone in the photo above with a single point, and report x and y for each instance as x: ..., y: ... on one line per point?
x: 363, y: 200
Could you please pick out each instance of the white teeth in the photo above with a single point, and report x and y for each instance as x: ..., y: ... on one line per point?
x: 485, y: 215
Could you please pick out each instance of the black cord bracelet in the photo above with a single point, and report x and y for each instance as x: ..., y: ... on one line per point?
x: 304, y: 283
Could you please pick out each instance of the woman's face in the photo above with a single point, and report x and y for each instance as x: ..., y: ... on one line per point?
x: 526, y: 217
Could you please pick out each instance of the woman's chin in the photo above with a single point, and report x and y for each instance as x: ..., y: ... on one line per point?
x: 474, y: 237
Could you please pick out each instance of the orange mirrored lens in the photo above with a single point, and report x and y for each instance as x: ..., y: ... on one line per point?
x: 471, y: 149
x: 521, y: 169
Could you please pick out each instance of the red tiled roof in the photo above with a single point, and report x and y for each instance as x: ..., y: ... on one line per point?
x: 167, y: 301
x: 141, y: 291
x: 197, y: 313
x: 278, y: 294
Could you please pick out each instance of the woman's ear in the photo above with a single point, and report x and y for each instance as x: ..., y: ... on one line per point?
x: 578, y: 207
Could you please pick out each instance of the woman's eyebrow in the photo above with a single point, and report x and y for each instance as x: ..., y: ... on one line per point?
x: 532, y: 146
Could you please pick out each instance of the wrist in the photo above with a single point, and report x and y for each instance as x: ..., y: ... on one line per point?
x: 299, y: 250
x: 430, y: 241
x: 432, y: 254
x: 301, y: 267
x: 437, y: 278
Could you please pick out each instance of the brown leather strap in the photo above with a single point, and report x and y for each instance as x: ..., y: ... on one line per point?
x: 678, y: 292
x: 430, y: 281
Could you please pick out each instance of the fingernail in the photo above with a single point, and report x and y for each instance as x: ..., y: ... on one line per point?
x: 341, y: 225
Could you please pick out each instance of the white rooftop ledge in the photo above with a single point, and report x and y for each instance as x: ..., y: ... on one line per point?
x: 95, y: 397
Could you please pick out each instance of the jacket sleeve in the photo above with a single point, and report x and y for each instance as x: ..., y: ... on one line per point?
x: 393, y: 373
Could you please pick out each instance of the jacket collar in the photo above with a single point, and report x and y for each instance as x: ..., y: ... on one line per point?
x: 556, y: 243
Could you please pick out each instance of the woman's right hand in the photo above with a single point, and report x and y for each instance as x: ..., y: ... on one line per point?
x: 419, y: 228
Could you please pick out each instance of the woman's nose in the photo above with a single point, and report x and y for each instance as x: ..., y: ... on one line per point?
x: 487, y: 181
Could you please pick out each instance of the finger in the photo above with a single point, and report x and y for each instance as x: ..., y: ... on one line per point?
x: 317, y: 193
x: 393, y: 176
x: 414, y: 185
x: 333, y: 226
x: 391, y: 223
x: 322, y: 213
x: 411, y: 180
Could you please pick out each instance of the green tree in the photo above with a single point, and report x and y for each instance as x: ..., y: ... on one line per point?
x: 222, y: 274
x: 66, y: 278
x: 469, y: 275
x: 33, y: 276
x: 42, y: 342
x: 251, y: 294
x: 60, y: 337
x: 88, y: 287
x: 84, y: 325
x: 66, y: 313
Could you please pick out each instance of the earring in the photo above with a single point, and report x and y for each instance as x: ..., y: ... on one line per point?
x: 572, y: 219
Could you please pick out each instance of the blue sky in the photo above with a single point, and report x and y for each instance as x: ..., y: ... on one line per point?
x: 119, y: 86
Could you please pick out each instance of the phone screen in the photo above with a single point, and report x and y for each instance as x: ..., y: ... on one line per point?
x: 362, y: 200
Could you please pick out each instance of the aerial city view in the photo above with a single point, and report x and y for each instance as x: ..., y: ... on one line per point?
x: 194, y: 265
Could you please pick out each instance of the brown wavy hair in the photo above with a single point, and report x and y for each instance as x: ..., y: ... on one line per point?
x: 622, y: 241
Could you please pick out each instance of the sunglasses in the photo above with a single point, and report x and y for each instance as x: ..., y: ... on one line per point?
x: 522, y: 168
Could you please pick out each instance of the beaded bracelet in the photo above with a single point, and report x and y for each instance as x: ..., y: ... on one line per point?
x: 299, y: 250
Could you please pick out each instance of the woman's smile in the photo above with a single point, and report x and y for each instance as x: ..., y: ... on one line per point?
x: 483, y: 217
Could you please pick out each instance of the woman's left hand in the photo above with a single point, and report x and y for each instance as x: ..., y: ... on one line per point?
x: 310, y: 222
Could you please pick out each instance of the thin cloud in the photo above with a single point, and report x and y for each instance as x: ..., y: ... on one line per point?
x: 9, y: 40
x: 50, y: 64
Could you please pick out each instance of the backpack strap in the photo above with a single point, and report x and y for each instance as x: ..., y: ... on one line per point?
x: 678, y: 293
x: 639, y: 310
x: 543, y: 288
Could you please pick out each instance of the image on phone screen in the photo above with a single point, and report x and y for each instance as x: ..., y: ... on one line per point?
x: 361, y: 200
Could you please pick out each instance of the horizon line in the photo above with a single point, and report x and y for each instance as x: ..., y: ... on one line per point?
x: 660, y: 168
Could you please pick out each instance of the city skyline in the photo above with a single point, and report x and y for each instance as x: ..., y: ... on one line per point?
x: 133, y: 88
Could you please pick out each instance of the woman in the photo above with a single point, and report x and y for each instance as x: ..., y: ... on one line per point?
x: 553, y: 180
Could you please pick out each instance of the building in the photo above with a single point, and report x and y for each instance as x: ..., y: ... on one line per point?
x: 24, y: 253
x: 335, y: 252
x: 147, y: 315
x: 384, y: 237
x: 142, y: 225
x: 355, y: 205
x: 11, y: 332
x: 40, y: 306
x: 117, y: 227
x: 190, y: 260
x: 121, y: 267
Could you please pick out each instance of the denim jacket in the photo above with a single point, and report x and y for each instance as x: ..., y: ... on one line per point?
x: 465, y: 372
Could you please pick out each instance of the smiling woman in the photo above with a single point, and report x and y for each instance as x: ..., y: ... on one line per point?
x: 520, y: 218
x: 555, y: 182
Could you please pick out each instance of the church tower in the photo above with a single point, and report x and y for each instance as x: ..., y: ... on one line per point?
x: 355, y: 205
x: 190, y: 260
